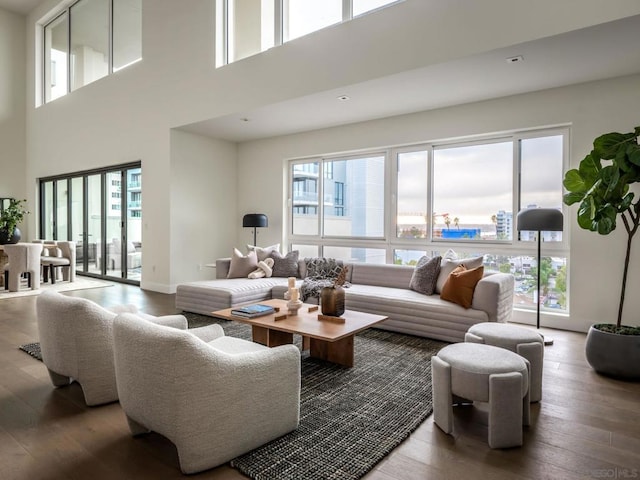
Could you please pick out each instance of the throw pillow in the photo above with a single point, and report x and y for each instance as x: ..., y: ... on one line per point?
x: 285, y: 266
x: 425, y: 275
x: 319, y: 267
x: 242, y: 265
x: 449, y: 266
x: 449, y: 255
x: 461, y: 284
x: 263, y: 252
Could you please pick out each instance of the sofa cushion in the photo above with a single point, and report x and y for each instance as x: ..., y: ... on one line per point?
x: 449, y: 266
x: 206, y: 296
x: 263, y: 252
x: 461, y: 284
x: 425, y: 275
x: 395, y: 276
x: 414, y: 313
x: 242, y: 265
x: 285, y: 266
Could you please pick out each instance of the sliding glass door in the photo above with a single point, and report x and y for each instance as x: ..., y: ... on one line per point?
x: 101, y: 210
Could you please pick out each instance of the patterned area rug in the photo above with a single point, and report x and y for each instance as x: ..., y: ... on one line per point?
x: 350, y: 418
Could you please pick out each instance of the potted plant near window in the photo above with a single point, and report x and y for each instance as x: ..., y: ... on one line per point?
x: 10, y: 217
x: 601, y: 184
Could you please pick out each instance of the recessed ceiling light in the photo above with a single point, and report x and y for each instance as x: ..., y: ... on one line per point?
x: 344, y: 98
x: 516, y: 59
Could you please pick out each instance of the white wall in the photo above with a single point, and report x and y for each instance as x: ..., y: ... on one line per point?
x: 203, y: 205
x: 596, y: 262
x: 12, y: 108
x: 128, y: 116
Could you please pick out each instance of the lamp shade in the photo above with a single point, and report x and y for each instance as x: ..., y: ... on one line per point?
x: 540, y: 220
x: 255, y: 220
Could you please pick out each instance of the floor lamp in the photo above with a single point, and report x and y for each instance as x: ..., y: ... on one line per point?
x: 540, y: 220
x: 255, y: 220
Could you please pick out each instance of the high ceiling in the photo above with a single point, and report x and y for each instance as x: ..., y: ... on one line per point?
x: 603, y: 51
x: 22, y: 7
x: 599, y: 52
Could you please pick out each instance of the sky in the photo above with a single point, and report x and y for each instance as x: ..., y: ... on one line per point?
x: 475, y: 182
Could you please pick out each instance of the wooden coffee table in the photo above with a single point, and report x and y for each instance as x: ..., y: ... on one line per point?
x: 325, y: 340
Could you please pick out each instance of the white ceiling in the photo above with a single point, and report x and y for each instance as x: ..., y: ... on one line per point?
x: 603, y: 51
x: 599, y: 52
x: 22, y: 7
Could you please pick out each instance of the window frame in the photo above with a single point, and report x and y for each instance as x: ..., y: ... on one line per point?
x: 66, y: 11
x: 223, y: 30
x: 470, y: 143
x: 390, y: 242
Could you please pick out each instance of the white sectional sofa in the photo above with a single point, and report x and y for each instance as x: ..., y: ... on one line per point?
x: 381, y: 289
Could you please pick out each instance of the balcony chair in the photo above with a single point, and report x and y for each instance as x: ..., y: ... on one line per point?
x: 114, y: 255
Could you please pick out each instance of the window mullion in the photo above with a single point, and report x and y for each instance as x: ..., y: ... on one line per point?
x: 278, y: 19
x: 430, y: 193
x: 347, y: 10
x: 517, y: 184
x: 110, y: 39
x: 321, y: 198
x: 69, y: 69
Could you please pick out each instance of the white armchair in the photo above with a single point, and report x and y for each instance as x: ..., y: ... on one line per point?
x: 76, y: 340
x: 215, y: 400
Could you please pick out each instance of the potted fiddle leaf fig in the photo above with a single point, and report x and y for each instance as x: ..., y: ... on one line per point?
x: 602, y: 186
x: 10, y: 217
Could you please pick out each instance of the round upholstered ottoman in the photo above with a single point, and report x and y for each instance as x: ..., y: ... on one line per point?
x: 483, y: 373
x: 523, y: 341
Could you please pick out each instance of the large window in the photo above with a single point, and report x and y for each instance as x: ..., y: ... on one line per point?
x: 100, y: 210
x: 301, y: 17
x: 398, y: 205
x: 56, y: 45
x: 87, y: 41
x: 247, y: 27
x: 353, y: 197
x: 474, y: 184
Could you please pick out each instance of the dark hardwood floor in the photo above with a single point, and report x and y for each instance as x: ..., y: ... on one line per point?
x: 587, y: 426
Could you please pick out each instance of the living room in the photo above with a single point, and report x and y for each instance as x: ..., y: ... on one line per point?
x: 204, y: 167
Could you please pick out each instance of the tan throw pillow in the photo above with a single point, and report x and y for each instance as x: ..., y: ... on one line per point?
x: 449, y: 266
x: 425, y: 275
x: 461, y: 284
x: 263, y: 252
x: 242, y: 265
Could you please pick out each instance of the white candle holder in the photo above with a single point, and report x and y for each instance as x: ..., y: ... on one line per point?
x: 294, y: 306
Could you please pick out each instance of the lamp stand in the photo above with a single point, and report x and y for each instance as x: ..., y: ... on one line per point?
x: 547, y: 340
x: 255, y: 232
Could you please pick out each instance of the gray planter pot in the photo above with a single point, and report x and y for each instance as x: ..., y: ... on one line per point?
x: 612, y: 354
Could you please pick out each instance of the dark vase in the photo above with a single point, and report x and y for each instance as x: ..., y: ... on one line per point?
x: 14, y: 238
x: 332, y: 301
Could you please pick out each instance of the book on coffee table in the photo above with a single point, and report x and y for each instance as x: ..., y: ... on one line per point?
x: 252, y: 311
